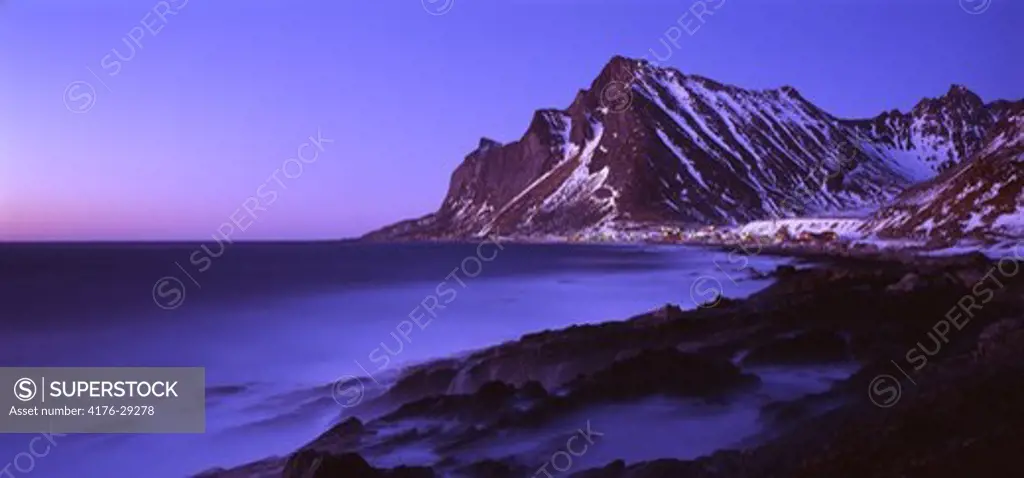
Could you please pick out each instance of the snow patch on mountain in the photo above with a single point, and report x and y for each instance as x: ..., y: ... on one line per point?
x: 582, y: 182
x: 982, y: 198
x: 683, y: 159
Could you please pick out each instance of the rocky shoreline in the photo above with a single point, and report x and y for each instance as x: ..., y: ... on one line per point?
x: 937, y: 345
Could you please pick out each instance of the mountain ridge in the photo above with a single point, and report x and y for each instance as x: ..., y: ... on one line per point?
x: 982, y: 198
x: 645, y: 144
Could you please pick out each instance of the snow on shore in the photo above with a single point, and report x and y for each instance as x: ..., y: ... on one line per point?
x: 844, y: 227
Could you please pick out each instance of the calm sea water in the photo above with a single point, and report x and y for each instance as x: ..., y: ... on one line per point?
x: 283, y: 320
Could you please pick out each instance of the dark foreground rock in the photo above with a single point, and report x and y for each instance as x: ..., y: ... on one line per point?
x: 939, y: 343
x: 962, y: 418
x: 816, y: 346
x: 311, y: 464
x: 663, y: 371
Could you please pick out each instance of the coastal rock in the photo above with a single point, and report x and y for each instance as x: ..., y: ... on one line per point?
x: 965, y: 403
x: 784, y: 271
x: 664, y: 371
x: 817, y: 346
x: 651, y: 372
x: 1002, y: 341
x: 665, y: 468
x: 343, y: 436
x: 351, y: 427
x: 550, y: 358
x: 795, y: 281
x: 908, y: 283
x: 666, y: 313
x: 424, y: 381
x: 486, y: 404
x: 313, y: 464
x: 533, y: 390
x: 494, y: 469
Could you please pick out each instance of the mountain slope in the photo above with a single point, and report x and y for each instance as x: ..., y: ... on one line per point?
x: 936, y: 135
x: 982, y: 198
x: 648, y: 145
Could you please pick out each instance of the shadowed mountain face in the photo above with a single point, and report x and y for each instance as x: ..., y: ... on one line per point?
x: 980, y: 198
x: 647, y: 144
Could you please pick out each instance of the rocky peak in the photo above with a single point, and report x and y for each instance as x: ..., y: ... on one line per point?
x: 790, y: 91
x: 958, y: 98
x: 611, y: 90
x: 620, y: 69
x: 935, y: 135
x: 958, y: 90
x: 487, y: 143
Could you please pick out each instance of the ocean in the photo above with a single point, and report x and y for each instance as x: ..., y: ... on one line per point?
x: 274, y: 324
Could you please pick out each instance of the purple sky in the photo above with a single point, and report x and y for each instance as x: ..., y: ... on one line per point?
x: 177, y: 137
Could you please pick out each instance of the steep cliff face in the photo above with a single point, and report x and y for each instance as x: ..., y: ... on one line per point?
x: 981, y: 198
x: 644, y: 144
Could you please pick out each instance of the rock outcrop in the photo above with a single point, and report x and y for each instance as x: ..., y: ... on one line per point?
x: 957, y: 411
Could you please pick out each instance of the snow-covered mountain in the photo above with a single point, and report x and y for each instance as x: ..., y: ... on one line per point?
x: 645, y: 144
x: 983, y: 198
x: 936, y: 135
